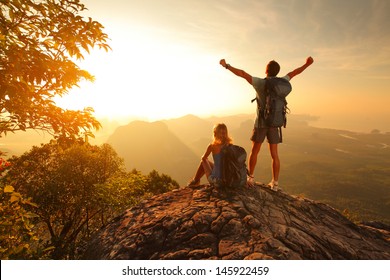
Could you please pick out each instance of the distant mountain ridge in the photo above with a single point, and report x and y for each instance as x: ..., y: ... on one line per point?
x: 146, y: 146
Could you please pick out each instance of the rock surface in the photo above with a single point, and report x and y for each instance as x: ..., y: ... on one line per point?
x: 206, y: 223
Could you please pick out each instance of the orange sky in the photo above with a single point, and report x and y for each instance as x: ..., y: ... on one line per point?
x: 164, y: 61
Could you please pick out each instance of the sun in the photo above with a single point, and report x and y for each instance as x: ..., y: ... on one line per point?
x: 147, y: 76
x: 148, y: 79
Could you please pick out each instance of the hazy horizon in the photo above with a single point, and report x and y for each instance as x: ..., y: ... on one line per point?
x: 365, y: 124
x: 21, y: 142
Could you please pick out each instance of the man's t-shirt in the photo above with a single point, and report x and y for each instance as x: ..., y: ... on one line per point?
x: 259, y: 84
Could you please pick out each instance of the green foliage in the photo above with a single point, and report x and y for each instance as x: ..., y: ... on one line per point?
x: 39, y: 43
x: 160, y: 183
x: 126, y: 189
x: 61, y: 180
x: 78, y: 188
x: 16, y: 223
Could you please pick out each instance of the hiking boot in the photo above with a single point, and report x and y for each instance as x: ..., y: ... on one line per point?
x: 274, y: 185
x: 250, y: 181
x: 193, y: 183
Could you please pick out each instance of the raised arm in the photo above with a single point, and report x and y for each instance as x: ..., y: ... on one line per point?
x: 236, y: 71
x: 299, y: 70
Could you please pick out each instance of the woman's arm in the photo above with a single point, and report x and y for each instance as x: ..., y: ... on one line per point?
x: 207, y: 153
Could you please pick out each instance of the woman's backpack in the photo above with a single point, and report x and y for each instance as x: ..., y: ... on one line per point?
x: 233, y: 166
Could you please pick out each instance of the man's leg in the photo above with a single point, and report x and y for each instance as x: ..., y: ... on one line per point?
x: 257, y: 139
x: 253, y: 157
x: 273, y: 148
x: 252, y: 162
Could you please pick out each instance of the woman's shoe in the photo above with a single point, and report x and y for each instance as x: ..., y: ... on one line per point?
x: 193, y: 183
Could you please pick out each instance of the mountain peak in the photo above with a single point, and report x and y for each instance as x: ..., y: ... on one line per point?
x: 208, y: 223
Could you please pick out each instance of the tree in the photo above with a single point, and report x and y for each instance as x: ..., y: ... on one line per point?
x: 127, y: 189
x: 160, y: 183
x: 77, y: 189
x: 16, y: 225
x: 16, y: 222
x: 62, y: 182
x: 39, y: 43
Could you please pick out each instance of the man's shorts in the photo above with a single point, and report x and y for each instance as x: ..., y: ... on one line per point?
x: 272, y: 134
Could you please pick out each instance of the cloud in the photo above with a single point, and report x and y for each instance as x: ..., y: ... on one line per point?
x: 351, y: 37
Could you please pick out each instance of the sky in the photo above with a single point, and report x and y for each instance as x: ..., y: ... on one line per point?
x: 165, y: 58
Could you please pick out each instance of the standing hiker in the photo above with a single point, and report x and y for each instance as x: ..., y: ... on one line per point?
x: 213, y: 170
x: 261, y: 129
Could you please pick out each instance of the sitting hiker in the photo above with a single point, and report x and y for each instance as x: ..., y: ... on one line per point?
x: 213, y: 170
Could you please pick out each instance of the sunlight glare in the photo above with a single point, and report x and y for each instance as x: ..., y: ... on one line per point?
x: 147, y: 78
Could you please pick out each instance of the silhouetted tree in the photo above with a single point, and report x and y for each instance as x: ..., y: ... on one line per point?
x: 39, y: 43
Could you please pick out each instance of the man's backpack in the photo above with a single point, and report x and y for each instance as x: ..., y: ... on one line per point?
x: 234, y: 170
x: 275, y: 109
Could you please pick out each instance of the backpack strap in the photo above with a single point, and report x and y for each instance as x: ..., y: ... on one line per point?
x: 280, y: 134
x: 265, y: 92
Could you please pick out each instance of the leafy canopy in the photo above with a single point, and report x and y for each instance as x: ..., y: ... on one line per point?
x: 16, y: 221
x: 61, y: 181
x: 78, y: 188
x: 39, y: 44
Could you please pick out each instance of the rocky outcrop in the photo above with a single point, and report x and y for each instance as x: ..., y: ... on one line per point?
x: 207, y: 223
